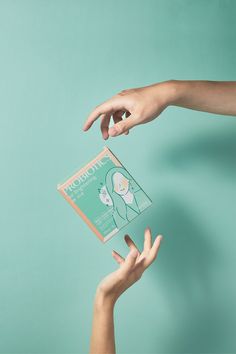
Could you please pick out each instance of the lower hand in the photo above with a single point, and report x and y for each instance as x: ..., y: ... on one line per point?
x: 130, y: 270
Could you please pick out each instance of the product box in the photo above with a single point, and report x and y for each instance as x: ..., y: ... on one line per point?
x: 105, y: 195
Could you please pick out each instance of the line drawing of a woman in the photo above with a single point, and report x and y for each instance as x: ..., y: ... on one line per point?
x: 119, y: 191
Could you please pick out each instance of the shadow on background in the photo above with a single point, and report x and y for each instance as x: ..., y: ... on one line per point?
x: 189, y: 259
x: 187, y: 262
x: 216, y: 148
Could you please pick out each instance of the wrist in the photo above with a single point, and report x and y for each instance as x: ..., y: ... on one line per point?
x: 166, y: 92
x: 172, y: 92
x: 104, y: 301
x: 176, y: 91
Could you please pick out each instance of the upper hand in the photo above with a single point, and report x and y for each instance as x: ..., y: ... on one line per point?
x: 130, y: 108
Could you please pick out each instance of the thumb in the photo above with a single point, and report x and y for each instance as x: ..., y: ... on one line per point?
x: 122, y: 126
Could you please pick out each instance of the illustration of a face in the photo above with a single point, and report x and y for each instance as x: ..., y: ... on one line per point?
x: 121, y: 183
x: 105, y: 197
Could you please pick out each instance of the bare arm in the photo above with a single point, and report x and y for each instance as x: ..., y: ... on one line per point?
x: 113, y: 285
x: 208, y: 96
x: 103, y: 337
x: 141, y: 105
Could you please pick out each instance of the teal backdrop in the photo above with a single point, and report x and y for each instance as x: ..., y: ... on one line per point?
x: 58, y: 59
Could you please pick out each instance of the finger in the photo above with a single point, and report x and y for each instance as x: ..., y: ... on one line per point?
x: 110, y: 106
x: 104, y: 108
x: 122, y: 126
x: 147, y: 240
x: 118, y: 117
x: 131, y: 243
x: 127, y: 114
x: 154, y: 251
x: 117, y: 257
x: 130, y: 260
x: 105, y: 120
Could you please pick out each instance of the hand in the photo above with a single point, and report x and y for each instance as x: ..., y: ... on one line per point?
x: 131, y: 268
x: 139, y: 105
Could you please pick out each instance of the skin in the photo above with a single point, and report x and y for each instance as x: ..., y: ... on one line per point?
x: 113, y: 285
x: 132, y: 107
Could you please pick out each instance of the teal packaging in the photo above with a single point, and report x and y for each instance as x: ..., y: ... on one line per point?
x: 105, y: 195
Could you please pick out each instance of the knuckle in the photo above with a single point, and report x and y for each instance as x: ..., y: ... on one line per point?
x: 97, y: 109
x: 127, y: 91
x: 123, y: 92
x: 121, y: 127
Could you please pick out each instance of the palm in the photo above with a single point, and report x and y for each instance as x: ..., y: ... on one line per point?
x: 131, y: 268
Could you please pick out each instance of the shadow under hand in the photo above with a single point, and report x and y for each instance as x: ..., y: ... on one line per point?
x: 199, y: 318
x: 199, y: 321
x: 214, y: 149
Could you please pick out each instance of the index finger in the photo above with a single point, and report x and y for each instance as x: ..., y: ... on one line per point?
x: 110, y: 106
x: 153, y: 251
x: 95, y: 114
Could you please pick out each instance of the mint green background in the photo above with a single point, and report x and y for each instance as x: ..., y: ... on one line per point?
x: 58, y: 60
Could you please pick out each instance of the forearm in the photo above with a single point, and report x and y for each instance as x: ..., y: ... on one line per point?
x: 217, y: 97
x: 103, y: 339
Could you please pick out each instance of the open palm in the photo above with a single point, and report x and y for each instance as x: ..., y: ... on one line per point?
x: 132, y: 267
